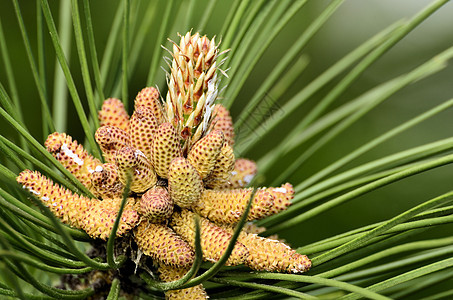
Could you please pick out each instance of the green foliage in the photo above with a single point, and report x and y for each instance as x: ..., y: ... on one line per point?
x: 300, y: 123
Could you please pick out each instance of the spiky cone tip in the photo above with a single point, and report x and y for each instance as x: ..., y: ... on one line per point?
x: 192, y: 86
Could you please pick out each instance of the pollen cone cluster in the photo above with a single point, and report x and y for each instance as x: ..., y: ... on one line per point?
x: 176, y: 159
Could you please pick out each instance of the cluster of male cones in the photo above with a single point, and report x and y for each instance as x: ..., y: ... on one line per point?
x: 177, y: 157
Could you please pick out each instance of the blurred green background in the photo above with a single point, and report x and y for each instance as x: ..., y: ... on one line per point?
x: 350, y: 26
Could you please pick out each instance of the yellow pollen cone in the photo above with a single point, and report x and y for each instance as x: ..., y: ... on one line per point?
x: 142, y: 127
x: 184, y: 183
x: 223, y: 167
x: 149, y: 97
x: 93, y: 216
x: 203, y: 155
x: 113, y: 113
x: 105, y: 181
x: 214, y: 239
x: 99, y: 219
x: 165, y: 148
x: 72, y: 156
x: 274, y: 256
x: 227, y: 206
x: 156, y: 205
x: 282, y: 197
x: 111, y: 139
x: 132, y: 162
x: 163, y: 244
x: 64, y: 204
